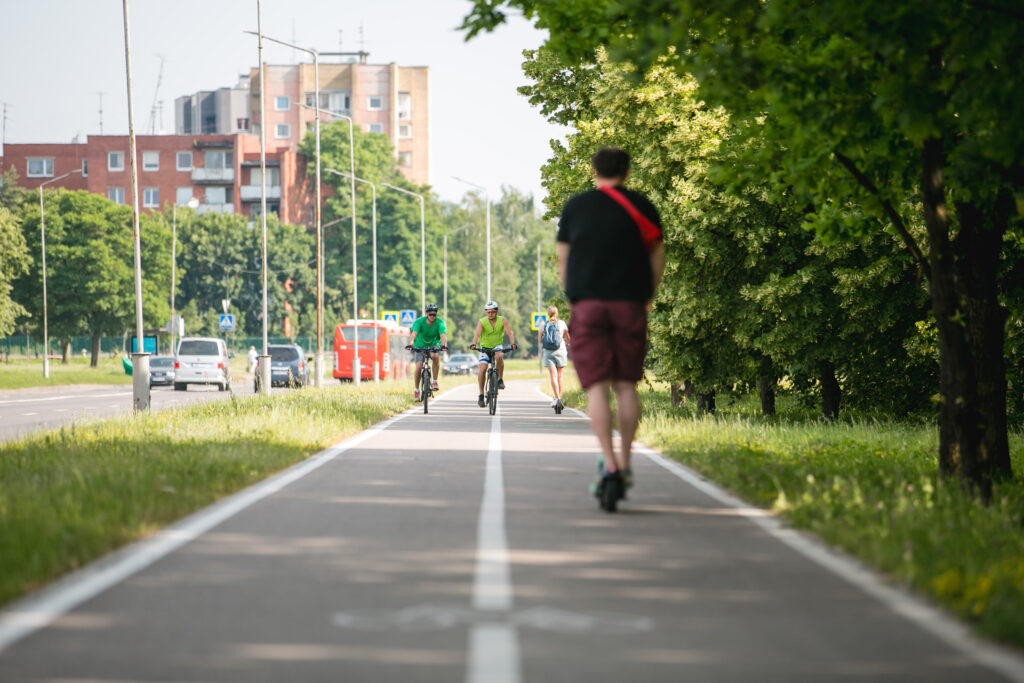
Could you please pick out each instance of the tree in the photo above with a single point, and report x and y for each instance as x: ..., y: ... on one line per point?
x: 875, y: 103
x: 14, y: 261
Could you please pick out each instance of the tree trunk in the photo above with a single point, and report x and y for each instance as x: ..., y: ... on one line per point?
x: 95, y: 360
x: 831, y: 393
x: 677, y: 394
x: 766, y: 388
x: 973, y: 442
x: 65, y: 351
x: 706, y: 403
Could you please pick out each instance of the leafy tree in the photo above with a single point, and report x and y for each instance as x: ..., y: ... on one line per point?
x: 14, y: 261
x: 875, y: 103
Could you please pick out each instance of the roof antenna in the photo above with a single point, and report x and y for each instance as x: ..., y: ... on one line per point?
x: 100, y: 93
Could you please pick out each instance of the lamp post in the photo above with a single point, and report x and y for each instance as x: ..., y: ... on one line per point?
x: 423, y: 245
x: 450, y: 232
x: 319, y: 364
x: 42, y: 237
x: 487, y: 202
x: 140, y: 359
x: 373, y: 188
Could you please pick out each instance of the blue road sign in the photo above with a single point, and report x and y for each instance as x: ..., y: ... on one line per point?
x: 538, y: 320
x: 406, y: 317
x: 227, y: 321
x: 390, y: 315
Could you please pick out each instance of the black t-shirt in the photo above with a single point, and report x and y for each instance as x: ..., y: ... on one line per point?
x: 607, y: 258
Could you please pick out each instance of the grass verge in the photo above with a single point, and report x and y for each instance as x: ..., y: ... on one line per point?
x: 18, y: 373
x: 871, y: 488
x: 70, y: 495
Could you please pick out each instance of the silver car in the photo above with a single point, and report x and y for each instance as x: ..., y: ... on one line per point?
x: 202, y: 360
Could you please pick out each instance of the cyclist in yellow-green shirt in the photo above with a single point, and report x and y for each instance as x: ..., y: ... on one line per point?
x: 490, y: 333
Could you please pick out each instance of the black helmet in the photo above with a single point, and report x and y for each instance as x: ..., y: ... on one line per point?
x: 431, y: 308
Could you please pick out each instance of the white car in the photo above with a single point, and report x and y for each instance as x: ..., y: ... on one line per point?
x: 202, y: 360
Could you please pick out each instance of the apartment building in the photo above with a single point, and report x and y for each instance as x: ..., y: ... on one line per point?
x: 380, y: 98
x: 214, y: 112
x: 221, y: 171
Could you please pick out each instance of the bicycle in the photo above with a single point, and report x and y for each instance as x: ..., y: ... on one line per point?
x: 426, y: 380
x: 491, y: 386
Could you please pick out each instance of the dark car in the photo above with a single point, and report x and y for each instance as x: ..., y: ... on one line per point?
x: 288, y: 366
x: 460, y: 364
x: 161, y: 370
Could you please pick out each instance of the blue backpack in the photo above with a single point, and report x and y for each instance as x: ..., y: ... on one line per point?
x: 552, y: 337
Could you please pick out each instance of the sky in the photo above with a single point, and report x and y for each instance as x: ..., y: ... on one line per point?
x: 56, y: 56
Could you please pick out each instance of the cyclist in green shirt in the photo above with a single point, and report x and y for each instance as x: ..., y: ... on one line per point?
x: 490, y: 333
x: 427, y: 331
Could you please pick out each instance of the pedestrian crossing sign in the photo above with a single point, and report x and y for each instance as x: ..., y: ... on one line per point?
x: 538, y: 321
x: 406, y: 317
x: 390, y: 316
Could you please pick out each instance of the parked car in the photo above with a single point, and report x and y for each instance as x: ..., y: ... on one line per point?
x: 202, y: 360
x: 161, y: 370
x: 460, y: 364
x: 288, y: 366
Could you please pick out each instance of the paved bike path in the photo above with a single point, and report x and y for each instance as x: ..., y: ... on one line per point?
x: 459, y: 547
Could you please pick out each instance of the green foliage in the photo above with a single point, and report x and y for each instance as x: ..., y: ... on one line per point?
x: 14, y: 261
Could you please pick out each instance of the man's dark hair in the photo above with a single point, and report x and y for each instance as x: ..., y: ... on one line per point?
x: 610, y: 162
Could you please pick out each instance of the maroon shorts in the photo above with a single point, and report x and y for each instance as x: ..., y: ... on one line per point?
x: 609, y: 340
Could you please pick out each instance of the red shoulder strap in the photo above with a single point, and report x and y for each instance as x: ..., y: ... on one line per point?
x: 649, y: 232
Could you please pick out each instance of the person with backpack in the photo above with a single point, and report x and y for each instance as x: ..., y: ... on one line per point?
x: 554, y: 341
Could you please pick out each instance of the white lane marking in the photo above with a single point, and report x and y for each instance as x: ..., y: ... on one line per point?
x: 37, y: 611
x: 27, y: 414
x: 931, y: 620
x: 493, y: 647
x: 62, y: 397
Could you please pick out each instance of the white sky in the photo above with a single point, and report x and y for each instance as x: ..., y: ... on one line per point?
x: 56, y: 55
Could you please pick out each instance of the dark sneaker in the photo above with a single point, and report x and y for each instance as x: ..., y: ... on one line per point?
x: 501, y: 384
x: 480, y: 401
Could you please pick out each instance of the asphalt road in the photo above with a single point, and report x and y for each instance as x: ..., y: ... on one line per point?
x: 459, y: 547
x: 23, y: 411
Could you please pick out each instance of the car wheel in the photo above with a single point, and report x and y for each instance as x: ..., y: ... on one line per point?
x: 180, y: 386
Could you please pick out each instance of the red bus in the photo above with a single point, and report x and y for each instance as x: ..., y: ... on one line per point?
x: 382, y: 342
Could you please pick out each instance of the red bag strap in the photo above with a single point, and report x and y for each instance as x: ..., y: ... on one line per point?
x: 649, y: 232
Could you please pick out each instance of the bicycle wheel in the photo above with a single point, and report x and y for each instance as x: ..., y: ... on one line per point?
x: 492, y: 391
x: 425, y: 387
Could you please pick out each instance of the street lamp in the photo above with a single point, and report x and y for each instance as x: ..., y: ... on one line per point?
x: 373, y: 188
x: 450, y: 232
x: 319, y: 365
x: 193, y: 203
x: 42, y: 232
x: 487, y: 200
x: 356, y: 374
x: 423, y: 245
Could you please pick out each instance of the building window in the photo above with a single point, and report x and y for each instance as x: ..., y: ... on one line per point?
x: 40, y: 167
x: 85, y: 168
x: 375, y: 103
x: 281, y: 103
x: 151, y: 161
x: 283, y: 131
x: 405, y: 159
x: 115, y: 162
x: 242, y: 125
x: 218, y: 195
x: 375, y: 128
x: 404, y: 105
x: 116, y: 194
x: 405, y: 131
x: 151, y: 197
x: 218, y: 160
x: 273, y: 176
x: 182, y: 196
x: 183, y: 161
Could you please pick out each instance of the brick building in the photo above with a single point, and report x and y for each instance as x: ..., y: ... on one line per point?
x: 222, y: 171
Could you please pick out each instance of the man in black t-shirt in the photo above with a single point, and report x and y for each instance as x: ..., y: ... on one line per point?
x: 610, y: 258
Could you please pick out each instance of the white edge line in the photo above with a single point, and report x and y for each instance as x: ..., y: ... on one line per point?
x: 929, y: 618
x: 36, y: 611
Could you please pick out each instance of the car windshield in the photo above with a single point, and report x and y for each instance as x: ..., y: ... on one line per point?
x: 283, y: 353
x: 161, y: 362
x: 461, y: 358
x: 198, y: 347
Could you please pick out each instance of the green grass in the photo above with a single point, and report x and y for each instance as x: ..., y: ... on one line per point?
x: 73, y: 494
x: 20, y: 373
x: 868, y: 487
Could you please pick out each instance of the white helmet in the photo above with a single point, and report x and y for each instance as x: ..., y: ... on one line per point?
x: 491, y: 306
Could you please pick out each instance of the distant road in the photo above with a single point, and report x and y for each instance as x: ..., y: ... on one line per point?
x: 23, y: 411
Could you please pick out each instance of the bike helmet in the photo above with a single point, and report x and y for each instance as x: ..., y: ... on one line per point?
x: 491, y: 306
x: 431, y: 308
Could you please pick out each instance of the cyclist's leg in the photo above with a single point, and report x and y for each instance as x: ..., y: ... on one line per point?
x: 482, y: 375
x: 436, y: 358
x: 499, y: 360
x: 599, y: 407
x: 419, y: 369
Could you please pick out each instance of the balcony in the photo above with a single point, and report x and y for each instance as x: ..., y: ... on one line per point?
x: 251, y: 193
x: 213, y: 175
x: 215, y: 208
